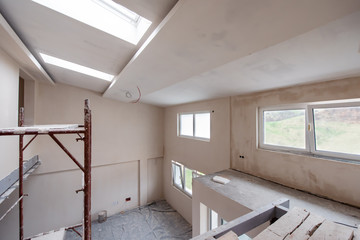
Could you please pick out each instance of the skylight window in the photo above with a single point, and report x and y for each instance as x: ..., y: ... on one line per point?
x: 121, y: 11
x: 104, y: 15
x: 76, y: 67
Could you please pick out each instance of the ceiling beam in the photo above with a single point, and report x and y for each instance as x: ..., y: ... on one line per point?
x: 12, y: 45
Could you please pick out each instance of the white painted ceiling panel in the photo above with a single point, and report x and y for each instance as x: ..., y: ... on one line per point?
x: 205, y: 34
x: 12, y: 45
x: 326, y: 53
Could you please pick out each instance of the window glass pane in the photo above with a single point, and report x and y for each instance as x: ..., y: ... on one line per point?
x: 202, y: 125
x: 285, y: 128
x: 337, y: 129
x: 188, y: 180
x: 213, y: 220
x: 186, y: 124
x: 177, y: 175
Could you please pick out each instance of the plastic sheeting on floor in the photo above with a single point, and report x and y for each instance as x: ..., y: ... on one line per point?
x: 152, y: 222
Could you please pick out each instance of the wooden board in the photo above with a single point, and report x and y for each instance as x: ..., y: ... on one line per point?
x: 307, y: 228
x: 285, y: 225
x: 13, y: 177
x: 357, y: 234
x: 333, y: 231
x: 299, y: 224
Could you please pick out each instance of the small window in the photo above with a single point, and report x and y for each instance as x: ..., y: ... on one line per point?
x: 188, y: 180
x: 177, y: 175
x: 182, y: 177
x: 195, y: 125
x: 202, y: 125
x: 186, y: 125
x: 213, y: 219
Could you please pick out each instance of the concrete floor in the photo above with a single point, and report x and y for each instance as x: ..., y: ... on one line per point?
x: 152, y: 222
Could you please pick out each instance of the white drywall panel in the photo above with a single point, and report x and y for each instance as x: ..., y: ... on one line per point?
x: 154, y: 179
x: 9, y: 91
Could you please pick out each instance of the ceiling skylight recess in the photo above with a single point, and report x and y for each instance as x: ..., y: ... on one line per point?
x: 104, y: 15
x: 120, y: 11
x: 76, y: 67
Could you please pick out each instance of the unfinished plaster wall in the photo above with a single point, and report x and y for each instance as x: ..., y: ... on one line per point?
x: 203, y: 156
x: 9, y: 89
x: 333, y: 179
x: 124, y: 135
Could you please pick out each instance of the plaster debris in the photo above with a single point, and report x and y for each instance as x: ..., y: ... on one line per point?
x: 221, y: 180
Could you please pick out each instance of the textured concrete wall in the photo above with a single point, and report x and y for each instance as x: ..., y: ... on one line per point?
x: 333, y: 179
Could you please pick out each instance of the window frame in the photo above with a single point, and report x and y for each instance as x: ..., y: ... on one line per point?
x: 175, y: 164
x: 311, y: 130
x: 210, y: 219
x: 310, y: 141
x: 183, y: 177
x: 194, y: 125
x: 185, y: 188
x: 262, y: 132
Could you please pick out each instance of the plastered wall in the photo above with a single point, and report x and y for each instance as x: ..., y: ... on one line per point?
x: 203, y: 156
x: 127, y: 140
x: 9, y: 88
x: 332, y: 179
x: 205, y: 198
x: 227, y: 208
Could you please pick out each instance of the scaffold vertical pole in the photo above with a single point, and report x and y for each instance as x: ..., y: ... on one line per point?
x: 21, y: 160
x: 87, y: 173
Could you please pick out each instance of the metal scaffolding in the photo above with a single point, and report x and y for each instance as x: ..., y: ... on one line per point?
x: 52, y: 130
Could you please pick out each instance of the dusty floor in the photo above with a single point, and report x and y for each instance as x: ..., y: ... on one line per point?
x: 152, y: 222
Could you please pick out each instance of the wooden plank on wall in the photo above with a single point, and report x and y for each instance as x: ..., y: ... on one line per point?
x: 9, y: 180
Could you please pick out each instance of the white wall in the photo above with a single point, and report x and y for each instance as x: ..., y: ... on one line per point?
x: 332, y: 179
x: 154, y: 179
x: 205, y: 198
x: 227, y: 208
x: 207, y: 157
x: 9, y: 89
x: 125, y: 137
